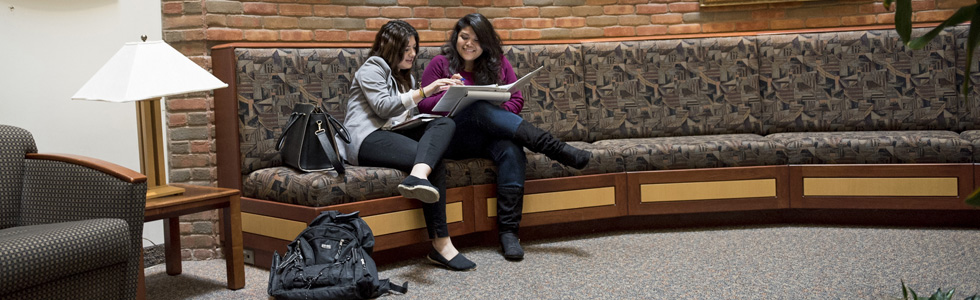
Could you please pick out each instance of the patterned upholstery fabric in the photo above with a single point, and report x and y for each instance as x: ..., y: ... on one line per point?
x: 272, y: 81
x: 969, y: 116
x: 672, y: 88
x: 316, y: 189
x: 72, y: 221
x: 34, y: 255
x: 14, y: 144
x: 875, y: 147
x: 973, y: 137
x: 855, y: 81
x: 692, y: 152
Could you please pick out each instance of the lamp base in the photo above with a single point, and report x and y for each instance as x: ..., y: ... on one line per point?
x: 163, y: 191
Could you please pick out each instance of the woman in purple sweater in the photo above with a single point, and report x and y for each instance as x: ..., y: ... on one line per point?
x: 483, y: 130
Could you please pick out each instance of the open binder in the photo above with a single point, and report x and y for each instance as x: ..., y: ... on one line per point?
x: 458, y: 97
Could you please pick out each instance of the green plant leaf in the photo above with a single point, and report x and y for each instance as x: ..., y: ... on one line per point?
x: 964, y: 14
x: 903, y: 19
x: 949, y: 295
x: 905, y: 291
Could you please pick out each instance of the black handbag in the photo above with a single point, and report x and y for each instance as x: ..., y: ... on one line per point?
x: 307, y: 143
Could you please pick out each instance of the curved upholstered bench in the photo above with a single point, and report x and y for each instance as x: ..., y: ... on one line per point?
x: 837, y: 120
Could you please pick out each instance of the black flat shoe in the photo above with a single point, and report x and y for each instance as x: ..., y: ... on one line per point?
x: 417, y: 188
x: 458, y: 263
x: 510, y: 244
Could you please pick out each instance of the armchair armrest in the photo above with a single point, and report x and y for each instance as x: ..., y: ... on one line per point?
x: 123, y: 173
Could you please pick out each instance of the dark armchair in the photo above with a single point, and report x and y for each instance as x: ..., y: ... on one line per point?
x: 71, y: 227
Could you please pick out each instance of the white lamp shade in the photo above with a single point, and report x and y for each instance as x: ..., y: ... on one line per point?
x: 146, y: 70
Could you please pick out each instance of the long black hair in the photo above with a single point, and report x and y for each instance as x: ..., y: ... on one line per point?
x: 486, y: 68
x: 389, y: 44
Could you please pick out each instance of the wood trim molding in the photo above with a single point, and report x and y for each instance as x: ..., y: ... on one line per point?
x: 875, y: 198
x: 117, y: 171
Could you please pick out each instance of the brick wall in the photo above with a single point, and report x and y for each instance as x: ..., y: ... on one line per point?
x: 194, y: 26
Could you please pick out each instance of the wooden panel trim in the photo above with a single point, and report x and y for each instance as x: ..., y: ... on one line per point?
x: 709, y: 190
x: 578, y: 41
x: 637, y: 179
x: 111, y: 169
x: 580, y: 199
x: 964, y: 174
x: 562, y: 184
x: 226, y: 133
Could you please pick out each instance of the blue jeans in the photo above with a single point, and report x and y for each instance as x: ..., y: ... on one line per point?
x: 484, y: 130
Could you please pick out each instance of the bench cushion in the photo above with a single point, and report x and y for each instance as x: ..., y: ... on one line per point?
x: 875, y: 147
x: 692, y: 152
x: 316, y: 189
x: 540, y: 166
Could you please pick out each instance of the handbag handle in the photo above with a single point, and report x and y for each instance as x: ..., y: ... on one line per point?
x: 292, y: 119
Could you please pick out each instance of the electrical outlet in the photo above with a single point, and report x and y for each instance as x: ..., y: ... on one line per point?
x: 249, y: 256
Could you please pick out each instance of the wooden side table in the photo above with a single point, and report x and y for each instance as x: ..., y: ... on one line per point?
x: 197, y: 199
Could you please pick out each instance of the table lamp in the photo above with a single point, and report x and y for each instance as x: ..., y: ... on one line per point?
x: 145, y: 72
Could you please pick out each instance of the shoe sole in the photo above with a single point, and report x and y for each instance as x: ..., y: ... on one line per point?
x: 422, y: 193
x: 447, y: 267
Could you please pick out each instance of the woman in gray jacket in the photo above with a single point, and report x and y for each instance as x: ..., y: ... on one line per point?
x: 381, y: 96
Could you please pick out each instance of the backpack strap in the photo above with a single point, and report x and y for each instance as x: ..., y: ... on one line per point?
x: 387, y: 286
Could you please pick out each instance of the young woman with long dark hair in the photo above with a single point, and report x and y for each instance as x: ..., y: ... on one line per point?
x: 474, y: 54
x: 382, y: 95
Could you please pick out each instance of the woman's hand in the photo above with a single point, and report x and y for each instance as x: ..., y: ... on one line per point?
x: 441, y: 85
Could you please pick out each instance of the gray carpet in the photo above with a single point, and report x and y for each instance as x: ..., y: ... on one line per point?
x: 755, y: 262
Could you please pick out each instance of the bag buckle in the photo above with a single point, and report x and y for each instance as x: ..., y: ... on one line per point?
x: 319, y: 127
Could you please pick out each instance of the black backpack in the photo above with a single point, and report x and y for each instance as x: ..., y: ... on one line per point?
x: 330, y: 259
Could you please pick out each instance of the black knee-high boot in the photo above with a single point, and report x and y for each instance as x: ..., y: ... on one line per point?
x: 541, y: 141
x: 510, y: 205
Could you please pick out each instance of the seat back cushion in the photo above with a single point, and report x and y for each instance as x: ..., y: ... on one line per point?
x: 858, y: 81
x: 15, y: 143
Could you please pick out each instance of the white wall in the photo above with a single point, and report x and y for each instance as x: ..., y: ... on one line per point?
x: 48, y: 50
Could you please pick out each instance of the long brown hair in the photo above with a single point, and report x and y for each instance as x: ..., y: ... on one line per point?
x: 389, y: 44
x: 486, y: 68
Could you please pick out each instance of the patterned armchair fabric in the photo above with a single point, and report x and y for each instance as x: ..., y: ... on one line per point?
x: 68, y: 231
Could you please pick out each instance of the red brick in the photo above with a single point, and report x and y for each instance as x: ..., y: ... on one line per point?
x: 430, y: 12
x: 459, y: 12
x: 932, y: 16
x: 787, y: 24
x: 651, y: 9
x: 921, y: 5
x: 261, y: 35
x: 651, y: 30
x: 223, y: 34
x: 330, y: 10
x: 524, y: 12
x: 432, y: 36
x: 683, y: 7
x: 539, y: 23
x: 363, y: 11
x: 296, y: 35
x: 570, y: 22
x: 508, y: 3
x: 684, y: 28
x: 267, y: 9
x: 300, y: 10
x: 667, y: 19
x: 188, y: 161
x: 200, y: 146
x: 718, y: 27
x: 600, y: 2
x: 857, y: 20
x: 525, y: 34
x: 362, y: 36
x: 176, y: 120
x: 823, y: 22
x: 244, y: 21
x: 170, y: 8
x: 188, y: 21
x: 396, y: 12
x: 442, y: 24
x: 331, y: 35
x: 191, y: 104
x: 613, y: 31
x: 507, y: 23
x: 503, y: 34
x: 375, y: 23
x: 886, y: 18
x: 954, y: 4
x: 414, y: 2
x: 419, y: 24
x: 618, y: 9
x: 277, y: 22
x: 752, y: 25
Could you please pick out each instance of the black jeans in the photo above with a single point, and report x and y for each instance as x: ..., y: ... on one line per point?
x: 484, y: 130
x: 403, y: 149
